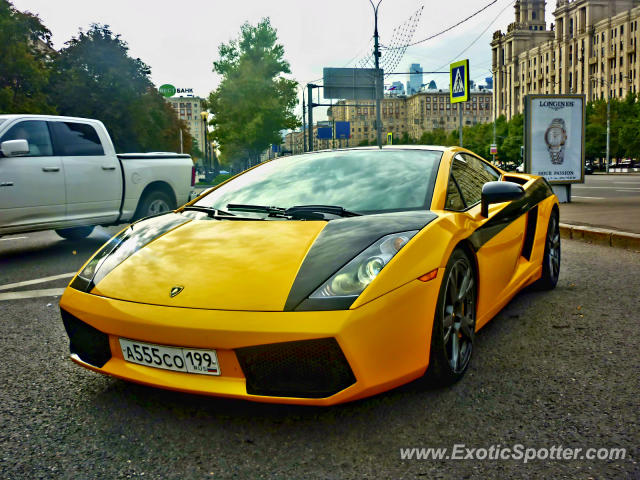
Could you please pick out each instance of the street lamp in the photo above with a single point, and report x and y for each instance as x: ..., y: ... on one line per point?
x: 604, y: 82
x: 376, y: 53
x: 205, y: 117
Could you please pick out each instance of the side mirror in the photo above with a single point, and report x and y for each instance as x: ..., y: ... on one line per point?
x: 13, y: 148
x: 498, y: 192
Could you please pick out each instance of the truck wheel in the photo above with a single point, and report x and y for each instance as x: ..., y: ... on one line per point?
x: 75, y: 233
x: 153, y: 203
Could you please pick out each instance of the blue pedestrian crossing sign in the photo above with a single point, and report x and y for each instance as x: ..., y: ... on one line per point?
x: 459, y: 81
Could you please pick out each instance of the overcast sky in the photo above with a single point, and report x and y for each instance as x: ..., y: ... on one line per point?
x: 179, y: 39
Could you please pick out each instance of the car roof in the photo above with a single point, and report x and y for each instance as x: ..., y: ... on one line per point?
x: 28, y: 116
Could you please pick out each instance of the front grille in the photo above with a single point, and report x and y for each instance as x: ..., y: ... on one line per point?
x: 90, y: 344
x: 304, y: 369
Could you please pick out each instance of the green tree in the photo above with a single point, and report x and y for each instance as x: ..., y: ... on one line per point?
x: 253, y: 102
x: 596, y: 130
x: 24, y: 65
x: 95, y: 77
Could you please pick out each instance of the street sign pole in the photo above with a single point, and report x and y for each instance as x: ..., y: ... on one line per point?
x: 459, y: 88
x: 461, y: 125
x: 304, y: 124
x: 310, y: 122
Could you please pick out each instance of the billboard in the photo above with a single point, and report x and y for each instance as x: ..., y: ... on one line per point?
x: 353, y: 83
x: 554, y: 137
x: 343, y: 130
x: 167, y: 90
x: 325, y: 133
x: 459, y: 84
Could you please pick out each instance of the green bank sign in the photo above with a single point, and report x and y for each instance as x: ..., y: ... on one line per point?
x: 167, y: 90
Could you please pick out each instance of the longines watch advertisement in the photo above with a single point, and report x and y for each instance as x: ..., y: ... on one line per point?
x: 554, y: 137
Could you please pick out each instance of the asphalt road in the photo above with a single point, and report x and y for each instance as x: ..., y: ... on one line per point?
x: 553, y: 368
x: 607, y: 201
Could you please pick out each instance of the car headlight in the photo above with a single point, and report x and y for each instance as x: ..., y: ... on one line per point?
x: 122, y: 246
x: 355, y: 276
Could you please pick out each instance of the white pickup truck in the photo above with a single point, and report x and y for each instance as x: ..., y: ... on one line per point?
x: 63, y: 173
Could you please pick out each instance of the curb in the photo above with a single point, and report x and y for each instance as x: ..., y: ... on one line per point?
x: 601, y: 236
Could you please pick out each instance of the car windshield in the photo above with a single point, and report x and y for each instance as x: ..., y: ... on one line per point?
x: 364, y: 181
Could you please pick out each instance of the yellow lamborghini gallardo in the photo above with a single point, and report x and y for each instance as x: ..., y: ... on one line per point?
x: 316, y: 279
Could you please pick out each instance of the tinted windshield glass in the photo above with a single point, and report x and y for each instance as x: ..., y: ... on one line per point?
x: 361, y: 181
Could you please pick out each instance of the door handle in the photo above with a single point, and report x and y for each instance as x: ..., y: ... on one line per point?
x: 104, y: 167
x: 6, y: 184
x: 50, y: 169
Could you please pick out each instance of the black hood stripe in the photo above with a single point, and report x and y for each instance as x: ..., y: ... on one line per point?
x: 340, y: 241
x: 533, y: 195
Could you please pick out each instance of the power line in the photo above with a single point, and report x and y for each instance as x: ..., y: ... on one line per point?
x: 481, y: 34
x: 450, y: 28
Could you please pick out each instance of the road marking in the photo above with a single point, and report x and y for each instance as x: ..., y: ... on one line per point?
x: 48, y: 292
x: 608, y: 188
x: 12, y: 238
x: 9, y: 286
x: 592, y: 198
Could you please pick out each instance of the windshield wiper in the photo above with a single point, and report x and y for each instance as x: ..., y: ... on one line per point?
x: 212, y: 212
x: 331, y: 209
x: 302, y: 212
x: 238, y: 207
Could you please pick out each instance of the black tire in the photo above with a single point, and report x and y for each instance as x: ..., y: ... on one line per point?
x: 454, y: 322
x: 551, y: 257
x: 75, y: 233
x: 153, y: 203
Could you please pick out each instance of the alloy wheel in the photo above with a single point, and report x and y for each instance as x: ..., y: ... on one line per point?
x: 553, y: 246
x: 459, y: 315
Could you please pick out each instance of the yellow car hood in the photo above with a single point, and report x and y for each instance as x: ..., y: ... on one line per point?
x: 224, y: 265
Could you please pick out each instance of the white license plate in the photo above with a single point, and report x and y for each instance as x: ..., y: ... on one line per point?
x: 204, y: 362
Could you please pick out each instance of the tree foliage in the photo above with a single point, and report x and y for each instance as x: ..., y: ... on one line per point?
x: 253, y: 102
x: 95, y: 77
x: 24, y: 73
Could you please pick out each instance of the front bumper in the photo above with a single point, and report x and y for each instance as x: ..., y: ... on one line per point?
x: 385, y: 342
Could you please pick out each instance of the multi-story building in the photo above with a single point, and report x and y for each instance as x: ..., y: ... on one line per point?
x: 397, y: 88
x: 294, y: 142
x: 414, y: 82
x: 422, y: 112
x: 590, y: 49
x: 188, y: 109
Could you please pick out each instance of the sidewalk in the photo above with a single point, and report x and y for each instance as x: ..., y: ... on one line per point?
x: 620, y: 214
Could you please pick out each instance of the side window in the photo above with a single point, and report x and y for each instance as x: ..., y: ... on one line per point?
x: 486, y: 171
x: 470, y: 174
x: 454, y: 200
x: 76, y: 139
x: 36, y: 133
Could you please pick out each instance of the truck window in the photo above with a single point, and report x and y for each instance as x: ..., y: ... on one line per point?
x: 75, y: 139
x: 36, y: 133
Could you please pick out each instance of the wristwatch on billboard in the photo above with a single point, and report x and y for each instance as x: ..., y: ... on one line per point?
x: 556, y: 137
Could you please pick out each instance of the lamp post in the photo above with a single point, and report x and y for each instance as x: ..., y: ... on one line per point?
x: 205, y: 117
x: 604, y: 82
x: 376, y: 53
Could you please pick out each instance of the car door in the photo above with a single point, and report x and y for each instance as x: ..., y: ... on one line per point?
x: 92, y: 176
x: 498, y: 240
x: 32, y: 190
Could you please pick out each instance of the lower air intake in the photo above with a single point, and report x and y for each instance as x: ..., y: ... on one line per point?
x: 90, y: 344
x: 305, y: 369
